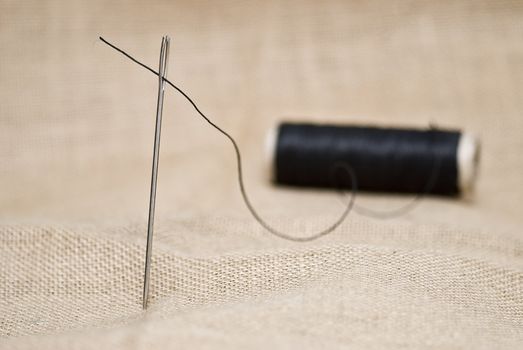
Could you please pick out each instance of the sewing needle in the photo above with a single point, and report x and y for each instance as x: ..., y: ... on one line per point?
x: 162, y: 73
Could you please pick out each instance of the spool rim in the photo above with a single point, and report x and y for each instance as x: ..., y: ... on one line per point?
x: 468, y: 160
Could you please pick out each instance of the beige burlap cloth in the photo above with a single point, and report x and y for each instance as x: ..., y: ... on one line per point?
x: 76, y: 131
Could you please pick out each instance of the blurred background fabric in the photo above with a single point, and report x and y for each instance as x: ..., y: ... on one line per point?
x: 76, y: 134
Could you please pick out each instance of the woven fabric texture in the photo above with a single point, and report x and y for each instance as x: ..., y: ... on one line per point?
x: 76, y: 133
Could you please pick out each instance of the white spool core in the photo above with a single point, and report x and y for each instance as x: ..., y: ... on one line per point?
x: 468, y: 159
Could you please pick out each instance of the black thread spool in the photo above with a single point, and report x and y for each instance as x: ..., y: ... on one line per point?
x: 441, y: 162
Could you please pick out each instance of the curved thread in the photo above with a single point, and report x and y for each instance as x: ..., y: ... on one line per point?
x: 411, y: 204
x: 245, y: 197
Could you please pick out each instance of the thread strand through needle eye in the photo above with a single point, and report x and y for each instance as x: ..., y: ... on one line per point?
x: 241, y: 184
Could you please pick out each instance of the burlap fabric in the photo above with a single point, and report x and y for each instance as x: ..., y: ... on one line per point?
x: 76, y: 131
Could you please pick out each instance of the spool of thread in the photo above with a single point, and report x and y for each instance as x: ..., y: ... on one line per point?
x: 434, y: 161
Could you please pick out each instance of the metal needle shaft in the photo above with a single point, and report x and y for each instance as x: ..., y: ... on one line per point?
x: 164, y: 53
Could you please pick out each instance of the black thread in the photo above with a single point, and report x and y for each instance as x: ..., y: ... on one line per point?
x: 243, y: 192
x: 383, y: 159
